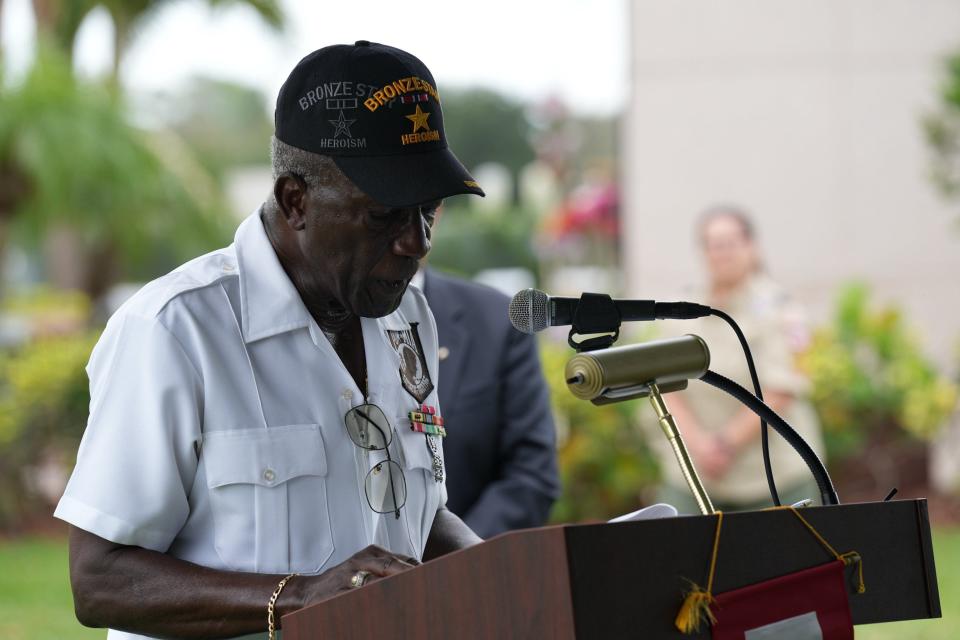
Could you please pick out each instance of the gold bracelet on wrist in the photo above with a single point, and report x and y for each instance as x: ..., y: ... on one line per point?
x: 271, y: 628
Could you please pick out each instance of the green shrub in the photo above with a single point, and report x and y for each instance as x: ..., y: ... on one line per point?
x: 868, y: 373
x: 44, y: 401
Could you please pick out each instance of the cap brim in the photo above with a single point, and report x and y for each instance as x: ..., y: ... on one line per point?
x: 408, y: 179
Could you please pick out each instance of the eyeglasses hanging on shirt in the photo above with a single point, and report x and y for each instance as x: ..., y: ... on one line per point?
x: 384, y: 485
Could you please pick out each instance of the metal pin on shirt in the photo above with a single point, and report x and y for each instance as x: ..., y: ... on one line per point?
x: 437, y: 462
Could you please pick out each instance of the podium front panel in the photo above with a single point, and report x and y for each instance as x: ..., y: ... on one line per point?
x: 628, y: 579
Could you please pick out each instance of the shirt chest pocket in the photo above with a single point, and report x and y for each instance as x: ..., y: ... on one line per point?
x: 268, y: 495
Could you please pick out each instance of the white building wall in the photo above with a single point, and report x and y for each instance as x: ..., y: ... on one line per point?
x: 808, y: 114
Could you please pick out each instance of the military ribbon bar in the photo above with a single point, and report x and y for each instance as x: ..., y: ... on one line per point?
x: 429, y: 429
x: 427, y: 421
x: 416, y: 416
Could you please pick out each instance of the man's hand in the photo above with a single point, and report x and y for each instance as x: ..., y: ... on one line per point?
x: 142, y: 591
x: 378, y: 562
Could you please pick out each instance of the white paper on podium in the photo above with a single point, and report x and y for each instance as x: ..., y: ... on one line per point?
x: 654, y: 511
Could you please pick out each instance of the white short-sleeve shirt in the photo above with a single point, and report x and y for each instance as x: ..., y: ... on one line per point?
x: 216, y: 430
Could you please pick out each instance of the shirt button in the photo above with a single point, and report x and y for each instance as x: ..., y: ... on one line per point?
x: 269, y: 475
x: 227, y: 266
x: 347, y: 394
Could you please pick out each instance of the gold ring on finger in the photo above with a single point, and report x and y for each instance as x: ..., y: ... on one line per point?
x: 359, y: 579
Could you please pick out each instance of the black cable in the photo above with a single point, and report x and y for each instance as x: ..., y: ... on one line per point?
x: 828, y: 494
x: 764, y: 431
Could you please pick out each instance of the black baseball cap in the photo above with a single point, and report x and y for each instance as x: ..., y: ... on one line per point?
x: 375, y: 111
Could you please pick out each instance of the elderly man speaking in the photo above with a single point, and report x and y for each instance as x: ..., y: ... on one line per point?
x: 264, y: 429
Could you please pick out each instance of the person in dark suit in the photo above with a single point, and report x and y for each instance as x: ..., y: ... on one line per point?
x: 500, y: 447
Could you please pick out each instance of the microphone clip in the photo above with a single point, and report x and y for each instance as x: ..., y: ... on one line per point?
x: 596, y: 313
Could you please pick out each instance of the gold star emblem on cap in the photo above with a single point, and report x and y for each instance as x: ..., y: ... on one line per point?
x: 419, y: 119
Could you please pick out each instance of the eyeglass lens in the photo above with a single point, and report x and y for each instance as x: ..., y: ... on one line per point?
x: 368, y: 427
x: 386, y: 487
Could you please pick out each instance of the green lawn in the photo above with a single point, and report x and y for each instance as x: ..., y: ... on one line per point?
x: 35, y: 600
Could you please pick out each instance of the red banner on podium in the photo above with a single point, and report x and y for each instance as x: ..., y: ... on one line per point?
x: 807, y: 605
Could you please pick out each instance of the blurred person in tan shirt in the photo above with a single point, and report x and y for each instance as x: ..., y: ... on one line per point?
x: 722, y: 435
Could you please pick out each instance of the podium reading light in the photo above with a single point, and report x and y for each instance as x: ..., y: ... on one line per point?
x: 646, y: 370
x: 653, y: 368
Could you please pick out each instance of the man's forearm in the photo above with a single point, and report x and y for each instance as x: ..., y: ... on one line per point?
x: 448, y: 533
x: 142, y: 591
x: 135, y: 589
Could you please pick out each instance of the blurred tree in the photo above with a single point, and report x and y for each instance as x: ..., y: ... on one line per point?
x: 573, y: 145
x: 465, y: 242
x: 484, y: 126
x: 58, y: 21
x: 171, y: 174
x: 69, y: 160
x: 208, y: 114
x: 942, y: 129
x: 129, y: 16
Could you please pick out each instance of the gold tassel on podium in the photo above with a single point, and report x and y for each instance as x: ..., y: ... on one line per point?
x: 696, y: 605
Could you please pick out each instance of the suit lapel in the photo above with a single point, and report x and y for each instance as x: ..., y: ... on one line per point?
x: 454, y: 337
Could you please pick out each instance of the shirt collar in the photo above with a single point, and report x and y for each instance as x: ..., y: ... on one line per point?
x: 269, y: 303
x: 418, y: 279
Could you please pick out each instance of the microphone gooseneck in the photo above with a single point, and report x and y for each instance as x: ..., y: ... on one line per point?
x: 828, y: 494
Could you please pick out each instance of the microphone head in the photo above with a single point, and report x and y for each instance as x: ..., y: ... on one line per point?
x: 529, y: 311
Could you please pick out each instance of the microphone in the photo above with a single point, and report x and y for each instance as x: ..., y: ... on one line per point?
x: 532, y: 310
x: 620, y: 373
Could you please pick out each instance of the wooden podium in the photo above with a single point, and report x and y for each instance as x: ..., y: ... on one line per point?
x: 625, y: 580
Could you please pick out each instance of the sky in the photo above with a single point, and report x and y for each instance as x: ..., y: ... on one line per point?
x: 574, y: 49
